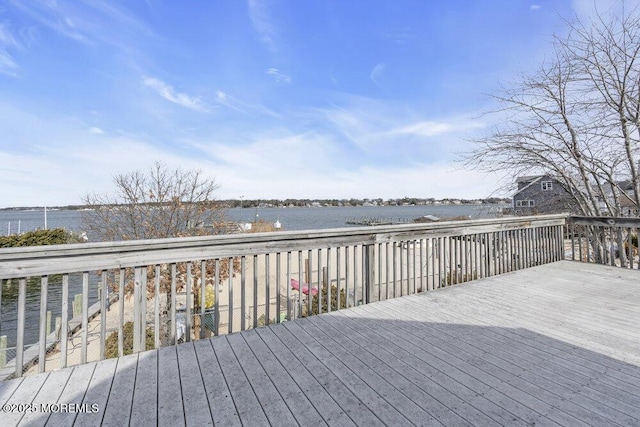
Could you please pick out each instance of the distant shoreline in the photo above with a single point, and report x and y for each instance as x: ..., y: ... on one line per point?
x: 310, y: 203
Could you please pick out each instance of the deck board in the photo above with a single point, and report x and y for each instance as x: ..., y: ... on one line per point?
x: 145, y: 392
x: 223, y: 410
x: 120, y: 403
x: 193, y: 391
x: 552, y: 345
x: 171, y: 410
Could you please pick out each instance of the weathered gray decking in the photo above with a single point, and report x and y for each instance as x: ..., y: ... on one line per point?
x: 555, y: 344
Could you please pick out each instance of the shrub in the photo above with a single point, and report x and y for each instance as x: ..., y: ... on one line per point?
x: 56, y: 236
x: 334, y: 300
x: 111, y: 346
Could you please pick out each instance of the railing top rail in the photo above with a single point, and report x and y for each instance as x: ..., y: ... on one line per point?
x: 56, y: 259
x: 605, y: 221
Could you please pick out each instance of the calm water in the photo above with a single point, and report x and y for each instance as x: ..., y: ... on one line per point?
x: 291, y: 219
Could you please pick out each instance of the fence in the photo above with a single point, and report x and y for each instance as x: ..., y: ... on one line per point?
x: 159, y: 292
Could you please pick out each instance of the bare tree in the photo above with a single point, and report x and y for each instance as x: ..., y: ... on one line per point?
x: 157, y: 204
x: 577, y: 117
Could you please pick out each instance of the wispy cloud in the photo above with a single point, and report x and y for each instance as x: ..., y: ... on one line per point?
x: 261, y: 20
x: 96, y: 131
x: 8, y: 65
x: 433, y: 128
x: 87, y: 22
x: 169, y: 93
x: 402, y: 37
x: 377, y: 74
x: 276, y: 75
x: 6, y: 38
x: 226, y: 100
x: 535, y: 7
x: 229, y: 101
x: 426, y: 129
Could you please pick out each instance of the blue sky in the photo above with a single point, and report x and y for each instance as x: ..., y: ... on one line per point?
x: 273, y: 98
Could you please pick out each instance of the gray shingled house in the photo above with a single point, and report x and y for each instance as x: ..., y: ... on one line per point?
x: 541, y: 194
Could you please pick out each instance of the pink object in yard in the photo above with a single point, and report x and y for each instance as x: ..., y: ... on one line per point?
x: 305, y: 288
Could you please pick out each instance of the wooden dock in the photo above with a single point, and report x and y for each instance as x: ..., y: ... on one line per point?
x: 557, y: 344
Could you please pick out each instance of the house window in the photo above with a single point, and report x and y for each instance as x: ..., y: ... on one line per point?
x: 525, y: 203
x: 547, y: 185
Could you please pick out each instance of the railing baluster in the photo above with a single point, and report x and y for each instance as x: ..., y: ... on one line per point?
x: 368, y: 273
x: 104, y: 298
x: 550, y: 246
x: 327, y: 279
x: 156, y: 298
x: 64, y: 326
x: 452, y: 267
x: 319, y: 274
x: 504, y: 252
x: 531, y: 246
x: 288, y: 284
x: 338, y: 293
x: 173, y: 300
x: 216, y: 293
x: 121, y: 283
x: 188, y: 291
x: 22, y: 297
x: 300, y: 284
x: 379, y: 276
x: 309, y: 277
x: 346, y: 275
x: 589, y: 238
x: 230, y: 270
x: 630, y: 247
x: 401, y: 250
x: 85, y: 317
x: 137, y: 311
x: 465, y: 256
x: 203, y: 296
x: 255, y: 291
x: 355, y: 274
x: 267, y: 285
x: 456, y: 259
x: 42, y: 351
x: 422, y: 265
x: 429, y: 271
x: 572, y: 229
x: 395, y: 262
x: 243, y: 293
x: 437, y: 262
x: 413, y: 242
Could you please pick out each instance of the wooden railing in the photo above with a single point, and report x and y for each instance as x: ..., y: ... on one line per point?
x: 150, y: 292
x: 605, y: 240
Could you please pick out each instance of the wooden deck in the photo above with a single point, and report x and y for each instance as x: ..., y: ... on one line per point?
x: 552, y: 345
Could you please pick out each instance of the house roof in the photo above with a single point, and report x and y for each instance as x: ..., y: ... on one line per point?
x: 527, y: 178
x: 523, y: 179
